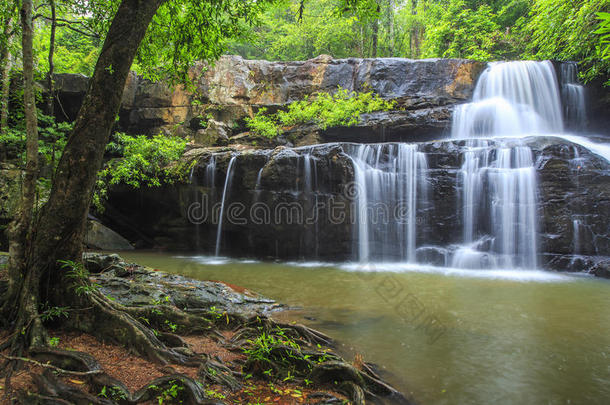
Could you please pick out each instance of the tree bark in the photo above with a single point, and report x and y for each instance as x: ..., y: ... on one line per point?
x: 50, y: 82
x: 20, y: 229
x: 415, y: 32
x: 5, y: 70
x: 375, y: 33
x: 61, y: 227
x: 391, y: 33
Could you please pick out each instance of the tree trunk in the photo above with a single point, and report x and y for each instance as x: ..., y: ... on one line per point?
x: 60, y: 227
x: 415, y: 32
x: 20, y: 229
x: 391, y: 33
x: 5, y: 71
x: 50, y: 82
x: 375, y: 34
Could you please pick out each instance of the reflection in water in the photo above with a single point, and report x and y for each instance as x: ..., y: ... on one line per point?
x: 544, y: 340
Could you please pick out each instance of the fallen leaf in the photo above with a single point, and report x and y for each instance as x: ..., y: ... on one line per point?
x: 76, y: 381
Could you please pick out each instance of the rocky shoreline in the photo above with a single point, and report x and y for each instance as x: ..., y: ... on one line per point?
x: 246, y: 356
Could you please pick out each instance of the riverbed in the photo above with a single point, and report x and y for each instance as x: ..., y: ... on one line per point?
x: 442, y: 336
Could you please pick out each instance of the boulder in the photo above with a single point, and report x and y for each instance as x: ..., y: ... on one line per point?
x: 100, y: 237
x: 216, y: 134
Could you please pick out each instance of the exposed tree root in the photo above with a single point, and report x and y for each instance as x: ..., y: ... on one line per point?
x: 291, y: 352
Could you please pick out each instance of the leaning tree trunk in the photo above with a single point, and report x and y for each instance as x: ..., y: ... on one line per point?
x: 61, y: 224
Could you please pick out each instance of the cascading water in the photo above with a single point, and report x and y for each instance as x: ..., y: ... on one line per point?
x: 306, y: 172
x: 573, y: 95
x: 499, y: 194
x: 225, y: 190
x: 511, y: 98
x: 389, y: 178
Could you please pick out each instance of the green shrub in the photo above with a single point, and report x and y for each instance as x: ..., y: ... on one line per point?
x: 342, y: 108
x: 52, y: 138
x: 144, y: 161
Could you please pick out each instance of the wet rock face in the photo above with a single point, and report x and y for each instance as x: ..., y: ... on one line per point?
x: 574, y: 199
x: 234, y: 88
x: 296, y: 204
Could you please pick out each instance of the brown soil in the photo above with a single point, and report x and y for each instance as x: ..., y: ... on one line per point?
x: 135, y: 372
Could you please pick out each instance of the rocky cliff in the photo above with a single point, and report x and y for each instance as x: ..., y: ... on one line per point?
x: 298, y: 203
x: 212, y: 112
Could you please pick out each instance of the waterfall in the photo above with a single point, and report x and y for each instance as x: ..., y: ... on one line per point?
x: 389, y: 178
x: 576, y: 236
x: 225, y: 190
x: 306, y: 177
x: 511, y: 98
x: 210, y: 171
x: 513, y: 183
x: 573, y: 95
x: 498, y: 204
x: 483, y: 213
x: 498, y: 177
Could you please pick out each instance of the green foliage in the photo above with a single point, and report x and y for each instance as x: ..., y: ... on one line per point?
x: 54, y: 341
x: 456, y: 31
x: 74, y: 52
x: 604, y: 31
x: 50, y: 313
x: 274, y: 354
x: 566, y: 30
x: 79, y: 275
x: 171, y: 326
x: 170, y: 394
x: 342, y: 108
x: 211, y: 393
x: 281, y: 36
x: 264, y: 124
x: 144, y: 162
x: 476, y: 29
x: 52, y: 135
x: 113, y: 392
x: 183, y: 32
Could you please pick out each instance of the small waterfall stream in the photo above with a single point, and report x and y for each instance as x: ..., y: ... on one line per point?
x: 389, y: 179
x: 225, y: 190
x: 573, y: 96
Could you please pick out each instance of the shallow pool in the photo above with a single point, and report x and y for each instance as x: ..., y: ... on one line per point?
x: 444, y: 336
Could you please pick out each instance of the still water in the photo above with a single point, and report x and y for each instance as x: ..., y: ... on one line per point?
x: 443, y: 336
